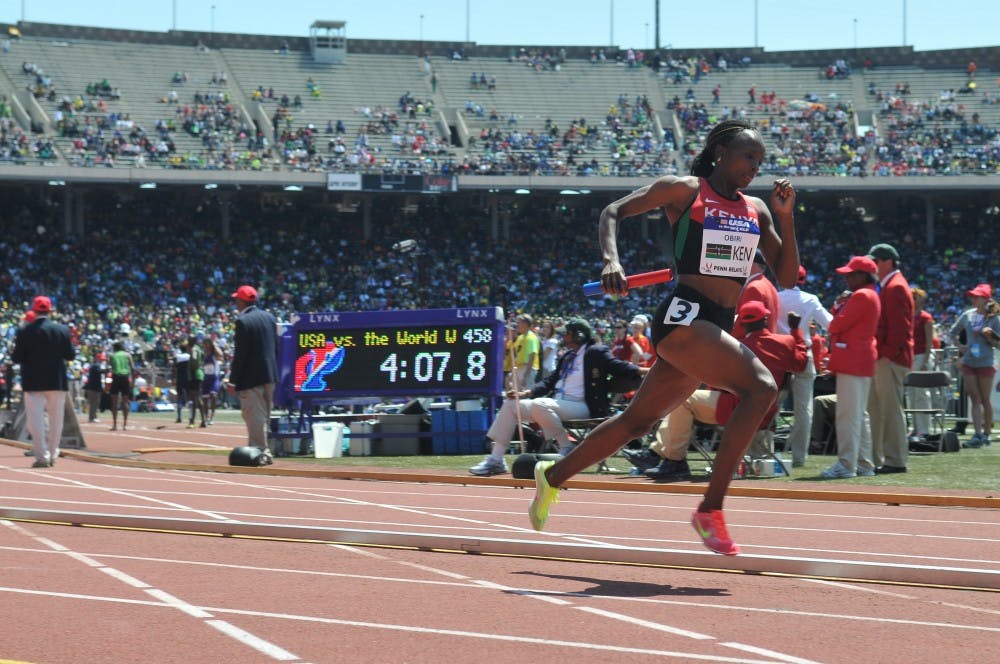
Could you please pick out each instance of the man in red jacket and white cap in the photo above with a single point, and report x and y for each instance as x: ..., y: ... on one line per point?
x: 852, y: 358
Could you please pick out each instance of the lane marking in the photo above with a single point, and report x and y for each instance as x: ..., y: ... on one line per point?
x: 124, y: 578
x: 255, y: 642
x: 971, y: 608
x: 660, y: 627
x: 239, y: 635
x: 130, y: 494
x: 768, y: 653
x: 858, y: 587
x: 492, y: 637
x: 89, y: 598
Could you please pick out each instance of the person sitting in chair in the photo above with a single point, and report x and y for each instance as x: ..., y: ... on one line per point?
x: 666, y: 458
x: 577, y: 389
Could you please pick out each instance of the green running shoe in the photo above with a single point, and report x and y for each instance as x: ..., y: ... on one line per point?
x: 545, y: 496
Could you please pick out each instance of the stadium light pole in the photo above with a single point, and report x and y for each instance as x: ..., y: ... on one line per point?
x: 756, y: 15
x: 855, y: 34
x: 611, y: 38
x: 656, y: 24
x: 904, y: 22
x: 466, y: 21
x: 173, y: 13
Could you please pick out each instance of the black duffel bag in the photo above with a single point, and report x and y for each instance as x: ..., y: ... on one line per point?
x: 248, y: 456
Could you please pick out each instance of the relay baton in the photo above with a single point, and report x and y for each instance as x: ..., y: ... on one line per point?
x: 593, y: 288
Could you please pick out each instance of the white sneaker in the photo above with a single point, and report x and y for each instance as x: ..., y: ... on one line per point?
x: 489, y: 466
x: 837, y: 472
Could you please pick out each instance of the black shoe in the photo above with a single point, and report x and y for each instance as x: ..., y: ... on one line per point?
x: 888, y: 470
x: 642, y: 459
x: 670, y: 470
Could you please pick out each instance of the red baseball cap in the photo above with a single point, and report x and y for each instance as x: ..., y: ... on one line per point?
x: 30, y: 315
x: 858, y: 264
x: 41, y: 305
x: 802, y: 275
x: 247, y: 293
x: 753, y: 311
x: 981, y: 290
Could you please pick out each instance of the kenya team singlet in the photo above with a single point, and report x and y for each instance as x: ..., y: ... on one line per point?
x: 716, y: 236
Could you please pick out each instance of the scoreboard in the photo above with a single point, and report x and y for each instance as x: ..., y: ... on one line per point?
x: 336, y: 355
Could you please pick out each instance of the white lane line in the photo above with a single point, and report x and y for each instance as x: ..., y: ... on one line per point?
x: 859, y: 587
x: 131, y: 494
x: 351, y: 623
x: 255, y: 642
x: 127, y: 579
x: 491, y: 636
x: 175, y: 440
x: 89, y: 598
x: 971, y: 608
x: 863, y: 588
x: 241, y: 636
x: 660, y: 627
x: 178, y: 604
x: 764, y: 652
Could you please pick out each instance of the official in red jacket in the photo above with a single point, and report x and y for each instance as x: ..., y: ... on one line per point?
x: 758, y: 288
x: 782, y: 354
x: 853, y: 353
x: 890, y: 447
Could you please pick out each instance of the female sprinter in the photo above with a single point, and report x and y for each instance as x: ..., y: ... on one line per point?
x: 716, y: 231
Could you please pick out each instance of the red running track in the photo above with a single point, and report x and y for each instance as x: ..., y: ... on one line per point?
x: 108, y: 595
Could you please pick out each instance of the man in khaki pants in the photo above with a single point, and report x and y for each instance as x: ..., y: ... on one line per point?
x: 890, y: 444
x: 254, y: 369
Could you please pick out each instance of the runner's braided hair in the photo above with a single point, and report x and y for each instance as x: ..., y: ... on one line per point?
x: 722, y: 134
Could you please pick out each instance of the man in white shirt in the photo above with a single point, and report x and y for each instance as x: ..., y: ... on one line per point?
x: 810, y: 310
x: 578, y: 389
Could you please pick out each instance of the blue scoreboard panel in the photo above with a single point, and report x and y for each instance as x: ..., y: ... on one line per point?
x: 405, y: 353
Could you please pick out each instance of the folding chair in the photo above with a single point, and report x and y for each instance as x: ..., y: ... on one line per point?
x: 579, y: 429
x: 934, y: 381
x: 762, y: 445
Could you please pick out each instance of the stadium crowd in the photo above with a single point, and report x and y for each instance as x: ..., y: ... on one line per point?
x: 813, y: 134
x: 156, y: 282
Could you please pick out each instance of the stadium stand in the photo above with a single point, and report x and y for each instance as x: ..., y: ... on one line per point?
x: 534, y: 111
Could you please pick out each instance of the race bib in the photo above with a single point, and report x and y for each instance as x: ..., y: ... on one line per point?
x: 728, y: 246
x: 681, y: 312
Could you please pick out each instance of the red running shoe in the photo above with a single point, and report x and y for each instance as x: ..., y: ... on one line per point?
x: 712, y: 529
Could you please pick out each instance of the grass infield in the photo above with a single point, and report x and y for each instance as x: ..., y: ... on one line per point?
x: 969, y: 469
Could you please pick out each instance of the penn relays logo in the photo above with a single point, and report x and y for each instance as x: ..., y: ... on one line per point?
x: 312, y: 367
